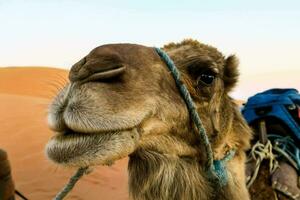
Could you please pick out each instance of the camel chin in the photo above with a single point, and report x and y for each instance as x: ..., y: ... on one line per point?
x: 82, y: 149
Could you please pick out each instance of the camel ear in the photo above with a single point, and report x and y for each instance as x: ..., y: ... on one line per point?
x: 231, y: 72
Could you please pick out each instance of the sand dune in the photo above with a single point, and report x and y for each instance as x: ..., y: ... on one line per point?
x: 32, y: 81
x: 24, y: 97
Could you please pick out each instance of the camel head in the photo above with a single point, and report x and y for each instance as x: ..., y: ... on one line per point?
x: 122, y: 100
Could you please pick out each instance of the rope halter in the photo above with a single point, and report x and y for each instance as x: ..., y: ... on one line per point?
x: 216, y: 169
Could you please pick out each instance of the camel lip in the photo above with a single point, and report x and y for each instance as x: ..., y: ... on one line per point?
x: 69, y: 134
x: 65, y: 135
x: 73, y: 149
x: 64, y: 148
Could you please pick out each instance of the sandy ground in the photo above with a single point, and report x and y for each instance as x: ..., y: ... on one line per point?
x: 24, y: 97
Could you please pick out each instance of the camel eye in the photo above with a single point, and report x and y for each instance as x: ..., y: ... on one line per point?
x: 207, y: 78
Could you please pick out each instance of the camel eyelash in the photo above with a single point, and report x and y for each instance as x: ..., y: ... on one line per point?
x: 203, y: 73
x: 207, y: 77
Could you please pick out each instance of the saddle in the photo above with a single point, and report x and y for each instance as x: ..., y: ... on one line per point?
x: 273, y: 165
x: 282, y: 184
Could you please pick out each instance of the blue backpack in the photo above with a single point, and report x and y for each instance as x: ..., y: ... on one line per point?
x: 279, y: 104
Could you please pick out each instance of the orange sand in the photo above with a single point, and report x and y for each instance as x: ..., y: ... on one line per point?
x: 24, y: 96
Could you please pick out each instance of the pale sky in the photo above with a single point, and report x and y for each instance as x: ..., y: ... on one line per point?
x: 265, y: 35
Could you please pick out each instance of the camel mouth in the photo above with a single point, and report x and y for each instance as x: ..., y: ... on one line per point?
x: 75, y: 146
x: 75, y: 149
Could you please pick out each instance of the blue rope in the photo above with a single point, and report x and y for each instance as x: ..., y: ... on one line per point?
x: 287, y: 144
x: 220, y: 168
x: 73, y: 180
x: 216, y: 168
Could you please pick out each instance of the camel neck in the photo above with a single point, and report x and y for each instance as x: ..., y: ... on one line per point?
x: 153, y: 175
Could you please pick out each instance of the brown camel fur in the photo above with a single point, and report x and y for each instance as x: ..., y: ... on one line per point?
x: 122, y: 101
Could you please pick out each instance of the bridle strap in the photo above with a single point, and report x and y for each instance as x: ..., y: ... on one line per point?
x: 190, y: 104
x: 215, y: 168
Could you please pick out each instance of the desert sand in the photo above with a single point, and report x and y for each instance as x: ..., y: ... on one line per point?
x: 25, y: 94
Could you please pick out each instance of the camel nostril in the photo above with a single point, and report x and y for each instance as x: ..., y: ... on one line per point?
x: 97, y: 66
x: 105, y: 74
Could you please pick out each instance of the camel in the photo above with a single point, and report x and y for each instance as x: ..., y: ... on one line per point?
x: 7, y: 187
x: 122, y: 101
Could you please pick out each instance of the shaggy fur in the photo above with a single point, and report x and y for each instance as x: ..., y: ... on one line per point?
x: 124, y: 96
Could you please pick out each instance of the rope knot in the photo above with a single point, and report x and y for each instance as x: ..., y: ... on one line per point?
x: 220, y: 170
